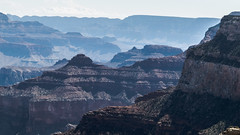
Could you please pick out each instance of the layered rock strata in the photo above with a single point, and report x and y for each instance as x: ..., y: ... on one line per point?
x: 206, y: 100
x: 51, y: 101
x: 213, y: 67
x: 149, y: 51
x: 32, y: 44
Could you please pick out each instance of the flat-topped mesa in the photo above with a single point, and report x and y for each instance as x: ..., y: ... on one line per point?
x: 74, y: 34
x: 213, y: 67
x: 149, y: 51
x: 171, y: 63
x: 163, y: 49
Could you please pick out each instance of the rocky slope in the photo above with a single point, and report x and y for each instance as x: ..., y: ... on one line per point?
x: 206, y: 100
x: 13, y: 75
x: 47, y: 103
x: 36, y: 45
x: 149, y: 51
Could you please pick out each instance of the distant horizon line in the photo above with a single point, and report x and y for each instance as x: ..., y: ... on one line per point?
x: 173, y: 16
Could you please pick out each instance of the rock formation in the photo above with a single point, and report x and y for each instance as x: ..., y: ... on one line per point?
x: 134, y: 30
x: 47, y: 103
x: 13, y: 75
x: 149, y: 51
x: 213, y: 67
x: 209, y: 35
x: 36, y: 45
x: 206, y: 100
x: 212, y: 31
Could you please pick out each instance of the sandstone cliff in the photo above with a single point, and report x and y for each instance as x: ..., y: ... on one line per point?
x: 206, y: 100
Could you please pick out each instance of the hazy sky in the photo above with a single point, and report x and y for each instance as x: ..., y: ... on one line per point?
x: 120, y: 8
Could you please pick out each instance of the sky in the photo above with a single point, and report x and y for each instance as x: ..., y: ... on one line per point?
x: 120, y: 8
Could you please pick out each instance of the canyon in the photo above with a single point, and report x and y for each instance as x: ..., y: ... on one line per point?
x: 12, y: 75
x: 135, y: 30
x: 33, y: 44
x: 46, y: 104
x: 205, y: 101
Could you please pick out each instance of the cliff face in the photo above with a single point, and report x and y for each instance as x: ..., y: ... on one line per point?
x: 62, y: 96
x: 212, y: 31
x: 213, y: 67
x: 149, y: 51
x: 205, y: 101
x: 169, y: 112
